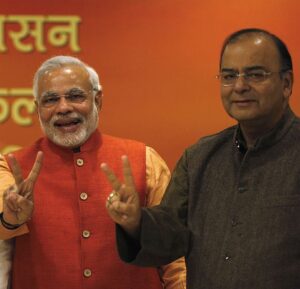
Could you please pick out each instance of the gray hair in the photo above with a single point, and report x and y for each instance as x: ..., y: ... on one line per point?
x: 60, y: 61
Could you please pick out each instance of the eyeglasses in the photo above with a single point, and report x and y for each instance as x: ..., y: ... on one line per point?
x: 229, y: 78
x: 75, y: 95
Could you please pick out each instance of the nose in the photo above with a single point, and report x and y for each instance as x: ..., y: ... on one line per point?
x: 241, y: 85
x: 63, y: 106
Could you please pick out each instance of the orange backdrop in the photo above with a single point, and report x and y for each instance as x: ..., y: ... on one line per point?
x: 156, y: 59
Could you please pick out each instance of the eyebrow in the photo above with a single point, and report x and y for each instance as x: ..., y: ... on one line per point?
x: 75, y: 90
x: 247, y: 68
x: 51, y: 93
x: 256, y: 67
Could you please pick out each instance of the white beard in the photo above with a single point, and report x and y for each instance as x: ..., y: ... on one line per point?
x: 75, y: 139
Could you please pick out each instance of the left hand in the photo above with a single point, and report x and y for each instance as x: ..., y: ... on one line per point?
x: 123, y: 204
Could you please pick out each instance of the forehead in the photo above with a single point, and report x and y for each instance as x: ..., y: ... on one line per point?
x: 64, y: 78
x: 250, y: 51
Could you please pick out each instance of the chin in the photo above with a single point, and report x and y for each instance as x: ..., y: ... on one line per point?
x: 243, y: 116
x: 69, y: 140
x: 69, y: 145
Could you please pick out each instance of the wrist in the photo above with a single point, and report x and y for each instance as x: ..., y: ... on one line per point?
x: 7, y: 225
x: 133, y: 230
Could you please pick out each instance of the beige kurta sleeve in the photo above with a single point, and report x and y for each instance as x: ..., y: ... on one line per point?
x: 173, y: 275
x: 6, y: 248
x: 6, y: 180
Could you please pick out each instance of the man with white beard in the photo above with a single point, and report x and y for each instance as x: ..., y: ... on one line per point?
x: 68, y: 240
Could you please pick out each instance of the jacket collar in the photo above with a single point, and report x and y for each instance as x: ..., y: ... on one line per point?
x: 92, y: 143
x: 270, y: 138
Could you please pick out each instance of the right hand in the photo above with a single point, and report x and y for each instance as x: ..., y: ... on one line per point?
x: 18, y: 199
x: 123, y: 204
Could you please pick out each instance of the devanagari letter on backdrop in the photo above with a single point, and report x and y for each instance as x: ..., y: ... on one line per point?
x: 37, y: 32
x: 59, y: 35
x: 63, y: 30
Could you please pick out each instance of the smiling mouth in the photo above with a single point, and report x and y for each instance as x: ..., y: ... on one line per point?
x: 67, y: 123
x: 245, y: 102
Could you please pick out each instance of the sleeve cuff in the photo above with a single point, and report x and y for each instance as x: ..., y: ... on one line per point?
x: 128, y: 247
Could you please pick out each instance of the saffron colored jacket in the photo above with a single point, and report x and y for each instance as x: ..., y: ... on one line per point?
x: 71, y: 241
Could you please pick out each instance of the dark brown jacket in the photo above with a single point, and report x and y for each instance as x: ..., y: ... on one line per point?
x: 241, y: 208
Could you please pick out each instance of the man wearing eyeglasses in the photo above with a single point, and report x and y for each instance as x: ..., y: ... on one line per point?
x: 68, y: 240
x: 232, y: 207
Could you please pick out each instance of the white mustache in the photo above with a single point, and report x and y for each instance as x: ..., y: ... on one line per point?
x: 68, y: 117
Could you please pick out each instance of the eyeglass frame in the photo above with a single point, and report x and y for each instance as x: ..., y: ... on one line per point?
x: 243, y: 74
x: 67, y: 96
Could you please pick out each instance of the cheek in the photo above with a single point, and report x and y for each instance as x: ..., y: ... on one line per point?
x: 225, y: 94
x: 84, y: 109
x: 45, y: 115
x: 269, y: 96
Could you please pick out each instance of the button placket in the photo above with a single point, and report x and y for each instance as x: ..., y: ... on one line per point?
x: 84, y: 195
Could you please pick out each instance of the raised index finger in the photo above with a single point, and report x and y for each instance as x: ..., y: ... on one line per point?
x: 35, y: 171
x: 15, y: 168
x: 115, y: 183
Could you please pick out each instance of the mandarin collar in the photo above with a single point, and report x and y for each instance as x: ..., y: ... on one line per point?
x: 270, y: 138
x: 92, y: 143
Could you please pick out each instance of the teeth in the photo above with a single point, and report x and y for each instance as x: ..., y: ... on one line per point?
x: 68, y: 123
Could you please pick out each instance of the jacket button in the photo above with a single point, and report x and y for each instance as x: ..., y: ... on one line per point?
x: 87, y: 273
x: 83, y: 196
x: 86, y: 234
x: 79, y: 162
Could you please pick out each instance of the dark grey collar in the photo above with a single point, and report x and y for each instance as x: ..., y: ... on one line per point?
x: 270, y: 138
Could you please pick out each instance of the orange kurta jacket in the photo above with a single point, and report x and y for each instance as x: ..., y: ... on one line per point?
x: 71, y: 239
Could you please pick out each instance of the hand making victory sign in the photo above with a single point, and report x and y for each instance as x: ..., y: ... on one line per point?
x: 18, y: 199
x: 123, y: 204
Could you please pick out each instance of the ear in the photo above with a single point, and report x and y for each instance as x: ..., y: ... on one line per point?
x: 98, y: 99
x: 287, y: 80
